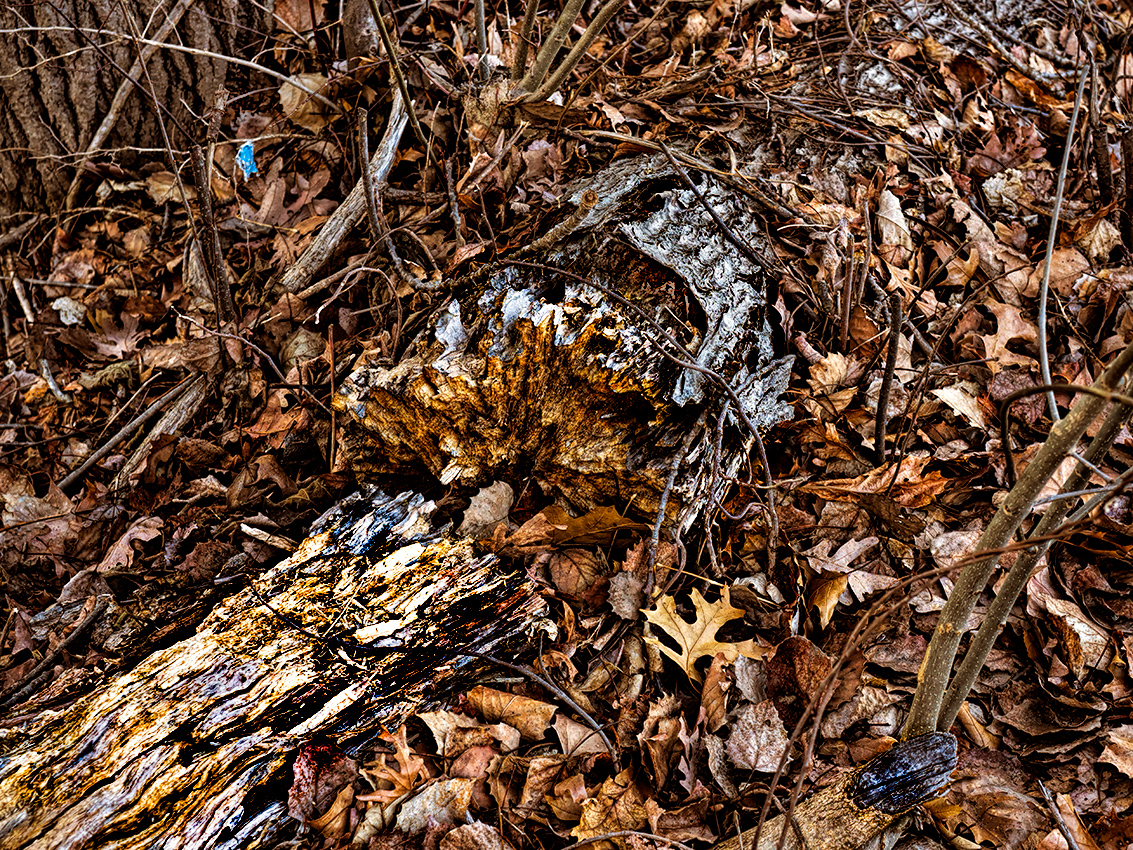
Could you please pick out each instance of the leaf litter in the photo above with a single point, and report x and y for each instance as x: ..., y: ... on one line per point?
x: 700, y: 672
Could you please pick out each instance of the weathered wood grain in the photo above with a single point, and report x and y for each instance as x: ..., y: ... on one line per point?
x: 190, y: 749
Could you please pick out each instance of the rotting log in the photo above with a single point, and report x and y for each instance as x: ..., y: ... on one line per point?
x: 191, y: 748
x: 602, y: 384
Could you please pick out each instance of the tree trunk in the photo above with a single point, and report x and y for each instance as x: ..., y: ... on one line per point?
x: 61, y: 64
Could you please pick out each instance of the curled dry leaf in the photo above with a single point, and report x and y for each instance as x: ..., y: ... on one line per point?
x: 714, y: 698
x: 530, y: 716
x: 580, y: 575
x: 618, y: 805
x: 395, y: 774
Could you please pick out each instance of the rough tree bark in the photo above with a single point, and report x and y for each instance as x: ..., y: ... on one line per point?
x: 62, y: 62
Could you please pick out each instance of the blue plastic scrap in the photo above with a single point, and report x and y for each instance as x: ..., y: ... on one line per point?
x: 246, y: 159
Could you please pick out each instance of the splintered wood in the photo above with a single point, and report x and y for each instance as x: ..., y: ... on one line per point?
x: 173, y: 752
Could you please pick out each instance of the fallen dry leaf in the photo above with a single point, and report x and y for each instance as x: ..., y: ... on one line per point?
x: 698, y: 638
x: 530, y: 716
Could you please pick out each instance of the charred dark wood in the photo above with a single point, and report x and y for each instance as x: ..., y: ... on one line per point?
x: 862, y: 804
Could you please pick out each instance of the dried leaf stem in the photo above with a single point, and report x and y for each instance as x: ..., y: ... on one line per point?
x: 1056, y: 212
x: 882, y: 416
x: 926, y: 713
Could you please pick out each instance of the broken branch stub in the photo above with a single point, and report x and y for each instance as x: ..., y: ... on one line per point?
x: 536, y: 373
x: 862, y: 804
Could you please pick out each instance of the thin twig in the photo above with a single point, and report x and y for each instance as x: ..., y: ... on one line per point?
x: 362, y: 128
x: 266, y: 357
x: 1101, y: 142
x: 210, y: 242
x: 172, y: 18
x: 18, y: 232
x: 1005, y: 420
x: 1004, y: 51
x: 563, y: 229
x: 86, y: 33
x: 128, y: 429
x: 1063, y: 827
x: 353, y: 208
x: 22, y: 298
x: 481, y: 40
x: 32, y: 676
x: 882, y: 416
x: 454, y: 205
x: 1044, y: 286
x: 395, y: 69
x: 49, y: 375
x: 662, y: 505
x: 1047, y: 530
x: 875, y: 616
x: 726, y: 231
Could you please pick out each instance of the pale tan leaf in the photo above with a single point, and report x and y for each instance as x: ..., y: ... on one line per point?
x: 698, y: 639
x: 758, y: 738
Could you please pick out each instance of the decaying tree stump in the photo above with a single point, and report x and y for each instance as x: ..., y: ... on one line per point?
x: 535, y: 373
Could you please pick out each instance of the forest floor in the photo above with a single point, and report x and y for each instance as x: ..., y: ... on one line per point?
x: 905, y: 155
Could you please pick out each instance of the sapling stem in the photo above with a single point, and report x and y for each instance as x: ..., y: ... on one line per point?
x: 578, y: 51
x: 551, y: 46
x: 521, y: 49
x: 1021, y: 570
x: 925, y: 715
